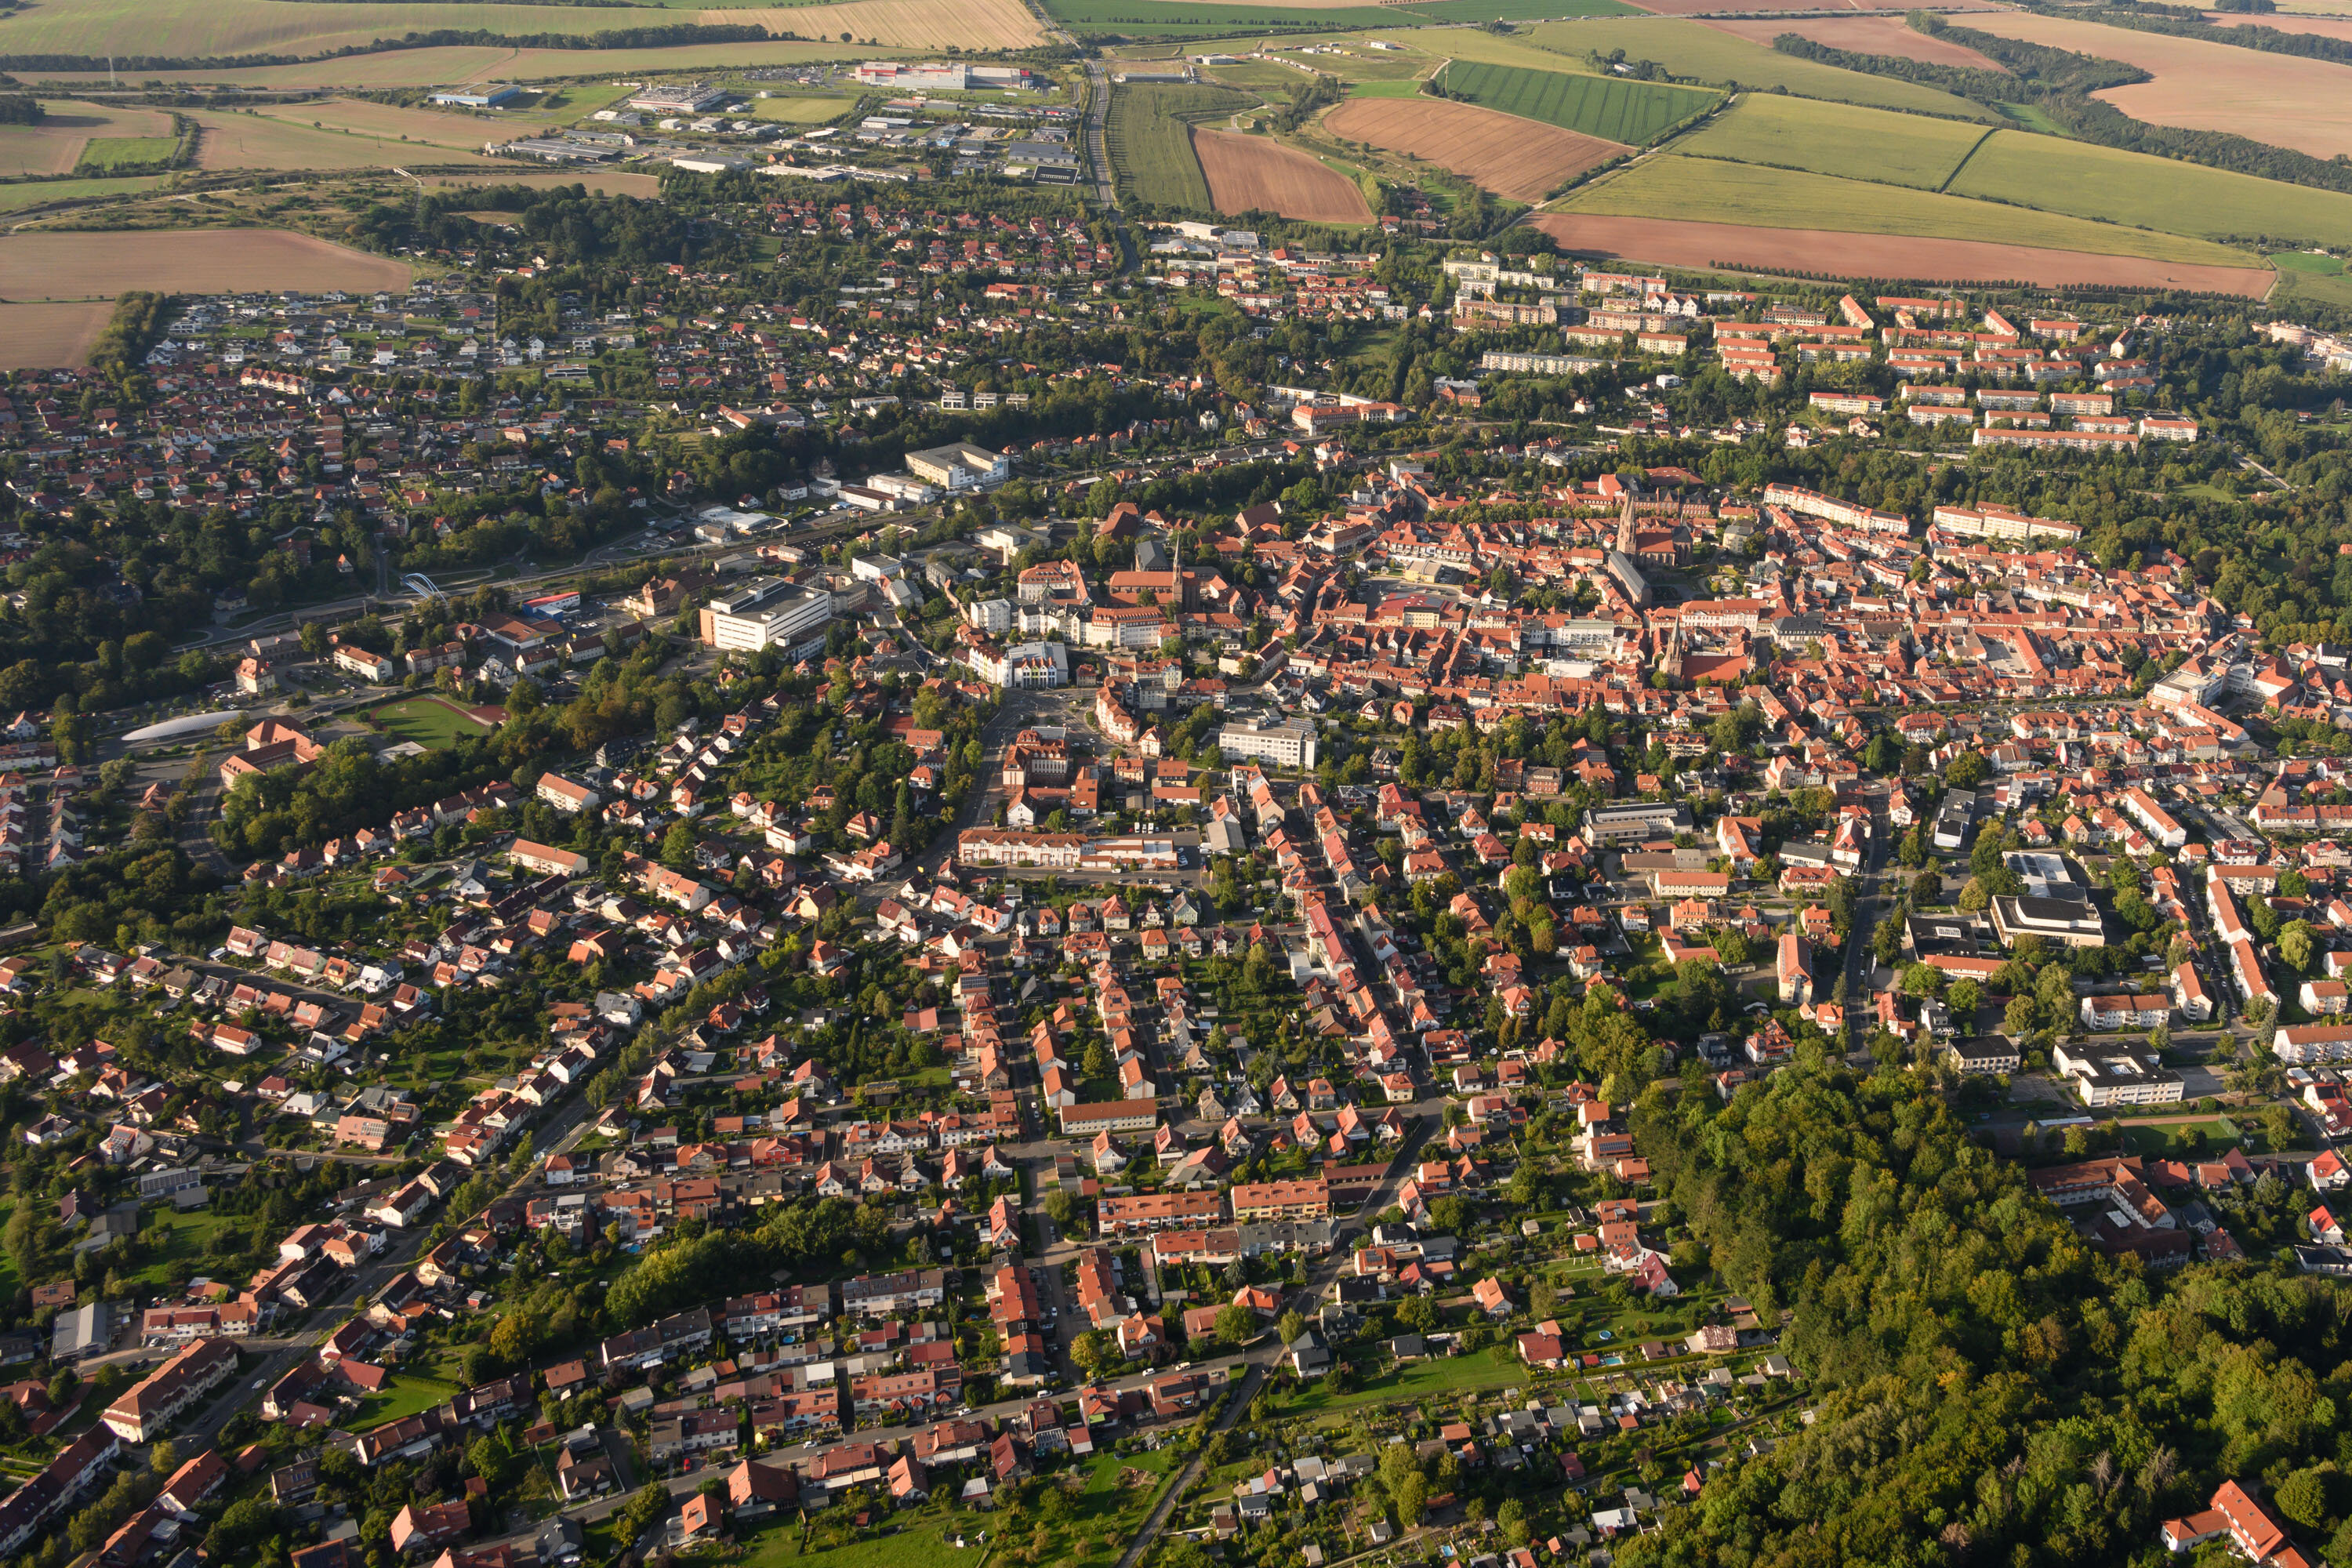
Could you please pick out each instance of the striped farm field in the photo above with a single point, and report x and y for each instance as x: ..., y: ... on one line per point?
x: 1522, y: 160
x: 48, y: 337
x: 1705, y: 190
x: 1148, y: 135
x: 1862, y: 36
x: 1838, y: 139
x: 1611, y: 108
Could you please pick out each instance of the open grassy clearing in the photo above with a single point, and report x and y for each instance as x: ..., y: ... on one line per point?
x: 1477, y: 11
x: 406, y: 1394
x: 2307, y: 261
x: 1148, y: 135
x: 2299, y: 290
x: 108, y: 153
x: 1615, y: 110
x: 433, y: 722
x: 603, y: 183
x: 811, y: 111
x: 1695, y: 50
x: 1839, y: 138
x: 1202, y: 18
x: 17, y: 198
x: 1707, y: 191
x: 1413, y: 1380
x: 2117, y: 187
x: 55, y: 146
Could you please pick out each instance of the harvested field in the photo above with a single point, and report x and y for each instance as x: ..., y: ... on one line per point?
x: 262, y: 142
x: 2325, y: 27
x: 55, y: 146
x: 390, y: 123
x: 441, y: 66
x: 1672, y: 243
x: 45, y: 337
x: 1512, y: 157
x: 912, y: 24
x: 1758, y: 7
x: 1709, y: 191
x: 2284, y: 99
x: 1253, y: 173
x: 197, y: 28
x: 98, y: 266
x: 1863, y: 36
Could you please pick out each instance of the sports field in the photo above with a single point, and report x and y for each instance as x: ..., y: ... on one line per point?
x: 1612, y: 108
x: 2284, y: 99
x: 433, y: 722
x: 1705, y: 190
x: 1150, y: 138
x: 1839, y: 138
x: 1695, y: 50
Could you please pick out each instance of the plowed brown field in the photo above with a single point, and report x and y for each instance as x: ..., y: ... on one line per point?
x: 50, y: 337
x: 1675, y: 243
x: 1863, y: 36
x: 1522, y: 159
x: 1251, y: 174
x: 93, y: 266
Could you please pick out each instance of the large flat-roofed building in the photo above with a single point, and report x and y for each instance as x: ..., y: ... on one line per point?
x: 768, y: 612
x: 1289, y: 743
x: 2074, y: 923
x: 1649, y: 819
x: 2116, y: 1079
x: 961, y: 467
x: 677, y: 97
x: 486, y: 96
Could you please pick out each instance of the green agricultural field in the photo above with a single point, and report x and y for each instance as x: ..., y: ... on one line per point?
x: 2307, y: 261
x: 1200, y: 19
x: 2117, y: 187
x: 2298, y: 290
x: 186, y: 28
x: 1704, y: 190
x: 433, y: 722
x: 1615, y: 110
x: 41, y: 193
x: 1694, y: 50
x: 1838, y: 139
x: 1406, y: 88
x: 1150, y: 138
x: 106, y: 153
x: 1477, y: 11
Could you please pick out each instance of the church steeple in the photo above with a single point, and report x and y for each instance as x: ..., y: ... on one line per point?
x: 1625, y: 526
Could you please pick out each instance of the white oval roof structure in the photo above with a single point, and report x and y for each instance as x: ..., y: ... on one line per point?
x: 186, y: 724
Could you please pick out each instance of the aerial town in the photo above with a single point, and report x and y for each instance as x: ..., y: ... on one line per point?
x: 790, y: 823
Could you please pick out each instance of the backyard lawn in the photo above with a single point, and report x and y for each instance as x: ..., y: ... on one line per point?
x: 926, y: 1540
x: 1475, y: 1372
x: 171, y: 1237
x: 406, y: 1394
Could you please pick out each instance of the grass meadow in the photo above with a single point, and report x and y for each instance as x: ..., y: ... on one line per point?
x: 1613, y: 108
x: 108, y: 153
x: 1705, y: 190
x: 1149, y: 137
x: 2117, y: 187
x: 433, y: 722
x: 1696, y: 52
x: 1838, y: 139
